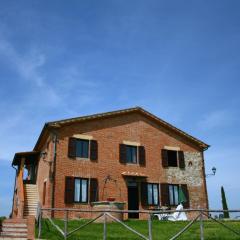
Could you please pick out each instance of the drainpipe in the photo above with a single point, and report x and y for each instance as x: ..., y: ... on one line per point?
x: 55, y: 140
x: 204, y: 176
x: 14, y: 188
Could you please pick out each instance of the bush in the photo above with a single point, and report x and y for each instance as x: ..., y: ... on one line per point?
x: 1, y: 219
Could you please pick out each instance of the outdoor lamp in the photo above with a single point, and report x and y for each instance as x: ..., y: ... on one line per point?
x: 214, y: 170
x: 43, y: 154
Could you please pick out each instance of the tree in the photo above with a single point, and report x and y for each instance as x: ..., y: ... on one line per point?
x: 224, y: 203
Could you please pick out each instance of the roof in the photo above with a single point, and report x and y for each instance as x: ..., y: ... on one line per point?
x: 64, y: 122
x: 29, y: 156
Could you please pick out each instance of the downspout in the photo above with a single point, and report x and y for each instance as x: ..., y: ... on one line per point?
x: 55, y: 140
x: 14, y: 189
x: 204, y: 176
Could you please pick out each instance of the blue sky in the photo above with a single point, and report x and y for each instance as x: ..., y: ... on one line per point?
x: 179, y: 60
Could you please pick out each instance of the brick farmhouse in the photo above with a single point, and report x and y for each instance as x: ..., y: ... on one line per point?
x: 130, y: 157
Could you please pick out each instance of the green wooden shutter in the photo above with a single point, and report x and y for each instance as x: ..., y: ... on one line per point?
x: 93, y: 190
x: 142, y: 155
x: 186, y: 193
x: 72, y: 147
x: 144, y: 194
x: 122, y: 153
x: 164, y: 194
x: 181, y: 159
x: 164, y: 158
x: 93, y: 150
x: 69, y: 190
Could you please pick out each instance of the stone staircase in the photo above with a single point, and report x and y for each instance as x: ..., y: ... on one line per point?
x: 22, y: 228
x: 30, y: 200
x: 14, y: 229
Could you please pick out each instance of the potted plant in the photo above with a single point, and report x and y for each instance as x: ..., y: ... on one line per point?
x: 111, y: 199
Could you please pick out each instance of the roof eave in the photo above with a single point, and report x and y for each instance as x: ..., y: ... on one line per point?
x: 60, y: 123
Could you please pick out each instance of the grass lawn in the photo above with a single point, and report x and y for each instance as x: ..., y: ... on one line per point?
x: 161, y: 230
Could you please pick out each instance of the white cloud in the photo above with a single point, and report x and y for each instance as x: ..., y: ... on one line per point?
x: 26, y: 65
x: 216, y: 119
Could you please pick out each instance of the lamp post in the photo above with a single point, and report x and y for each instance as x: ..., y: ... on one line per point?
x: 213, y: 172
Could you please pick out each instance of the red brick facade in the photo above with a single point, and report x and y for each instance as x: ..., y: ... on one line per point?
x: 110, y: 132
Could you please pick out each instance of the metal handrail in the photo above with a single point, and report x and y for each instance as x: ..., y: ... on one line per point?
x: 107, y: 213
x: 140, y: 211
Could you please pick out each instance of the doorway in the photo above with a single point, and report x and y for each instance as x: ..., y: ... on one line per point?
x: 44, y: 193
x: 133, y: 201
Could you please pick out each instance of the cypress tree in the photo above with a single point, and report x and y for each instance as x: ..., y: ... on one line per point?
x: 224, y: 203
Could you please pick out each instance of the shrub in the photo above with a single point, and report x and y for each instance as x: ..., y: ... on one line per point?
x: 1, y: 219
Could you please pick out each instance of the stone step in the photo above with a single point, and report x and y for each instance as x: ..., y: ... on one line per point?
x: 30, y: 185
x: 31, y: 196
x: 31, y: 200
x: 11, y: 225
x: 15, y: 220
x: 30, y: 206
x: 12, y: 238
x: 13, y: 234
x: 14, y: 229
x: 29, y: 211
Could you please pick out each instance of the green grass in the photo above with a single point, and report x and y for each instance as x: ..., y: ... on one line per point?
x: 161, y: 230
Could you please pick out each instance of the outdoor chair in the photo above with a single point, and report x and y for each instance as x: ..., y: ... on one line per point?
x: 176, y: 216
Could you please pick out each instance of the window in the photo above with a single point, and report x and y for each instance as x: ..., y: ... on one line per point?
x: 131, y: 154
x: 170, y: 195
x: 82, y: 148
x: 153, y: 194
x: 173, y: 194
x: 81, y: 190
x: 172, y: 158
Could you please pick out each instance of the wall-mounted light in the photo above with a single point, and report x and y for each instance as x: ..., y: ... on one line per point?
x: 214, y: 169
x: 43, y: 154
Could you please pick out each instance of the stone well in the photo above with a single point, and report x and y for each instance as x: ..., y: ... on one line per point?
x: 108, y: 205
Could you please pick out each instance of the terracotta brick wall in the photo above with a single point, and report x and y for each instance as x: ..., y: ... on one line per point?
x: 44, y: 173
x: 109, y: 133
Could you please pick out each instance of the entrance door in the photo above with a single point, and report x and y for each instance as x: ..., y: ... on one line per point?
x: 133, y: 201
x: 44, y: 193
